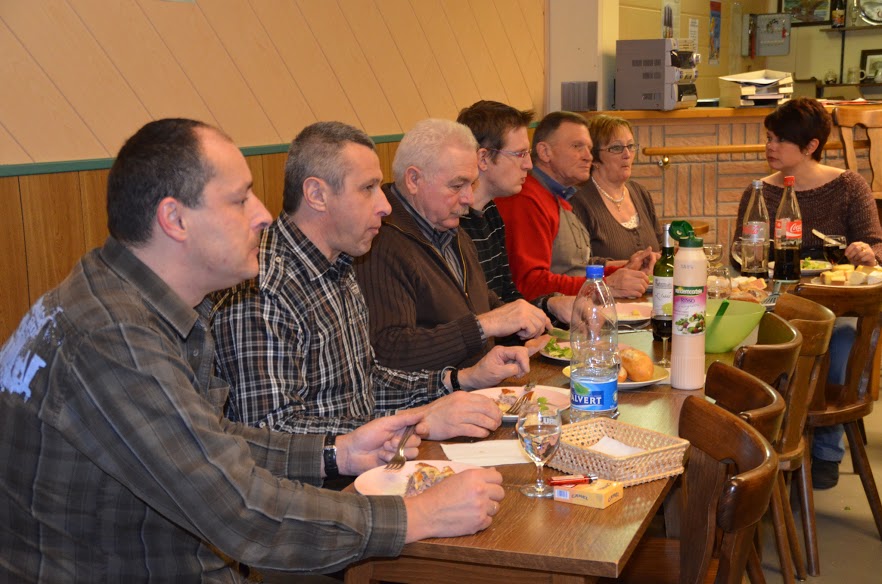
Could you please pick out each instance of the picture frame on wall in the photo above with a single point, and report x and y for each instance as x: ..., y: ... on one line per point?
x: 806, y: 12
x: 871, y: 63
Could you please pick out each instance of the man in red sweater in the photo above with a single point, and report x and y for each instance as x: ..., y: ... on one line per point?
x: 548, y: 247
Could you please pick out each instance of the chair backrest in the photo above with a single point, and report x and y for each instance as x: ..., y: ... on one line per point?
x: 726, y: 486
x: 815, y: 324
x: 747, y: 396
x: 773, y: 357
x: 865, y: 303
x: 846, y: 118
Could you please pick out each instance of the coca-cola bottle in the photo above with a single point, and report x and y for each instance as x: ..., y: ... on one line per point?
x: 788, y: 235
x: 755, y: 235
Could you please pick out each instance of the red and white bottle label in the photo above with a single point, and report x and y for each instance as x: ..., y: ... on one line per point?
x: 788, y: 229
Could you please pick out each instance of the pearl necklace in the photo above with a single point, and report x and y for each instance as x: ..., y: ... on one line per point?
x: 617, y: 202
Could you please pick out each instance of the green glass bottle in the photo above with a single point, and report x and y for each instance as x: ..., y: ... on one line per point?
x: 663, y: 288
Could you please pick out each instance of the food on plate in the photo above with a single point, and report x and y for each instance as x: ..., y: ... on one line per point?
x: 856, y: 278
x: 424, y: 476
x: 833, y: 278
x: 555, y: 350
x: 507, y: 398
x: 843, y: 268
x: 637, y: 363
x: 749, y: 289
x: 810, y: 264
x: 623, y: 374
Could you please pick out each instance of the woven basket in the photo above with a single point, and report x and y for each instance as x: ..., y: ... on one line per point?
x: 662, y: 457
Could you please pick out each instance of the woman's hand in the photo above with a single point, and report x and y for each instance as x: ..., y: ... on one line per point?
x: 860, y: 254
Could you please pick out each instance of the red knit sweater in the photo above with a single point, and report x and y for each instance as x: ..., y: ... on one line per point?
x: 531, y: 221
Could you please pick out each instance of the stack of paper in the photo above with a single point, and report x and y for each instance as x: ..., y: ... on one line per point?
x: 763, y: 88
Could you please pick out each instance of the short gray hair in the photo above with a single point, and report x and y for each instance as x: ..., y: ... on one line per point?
x: 421, y: 146
x: 317, y: 151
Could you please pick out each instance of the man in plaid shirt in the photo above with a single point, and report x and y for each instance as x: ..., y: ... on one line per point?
x: 295, y: 344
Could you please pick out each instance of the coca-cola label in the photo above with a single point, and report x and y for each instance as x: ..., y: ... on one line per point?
x: 753, y: 231
x: 788, y: 229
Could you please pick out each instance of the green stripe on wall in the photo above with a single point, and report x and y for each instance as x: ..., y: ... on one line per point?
x: 104, y: 163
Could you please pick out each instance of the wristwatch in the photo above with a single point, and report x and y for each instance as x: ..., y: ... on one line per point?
x: 329, y: 453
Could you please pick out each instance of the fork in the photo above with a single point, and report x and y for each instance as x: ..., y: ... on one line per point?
x: 397, y: 461
x: 772, y: 298
x: 516, y: 407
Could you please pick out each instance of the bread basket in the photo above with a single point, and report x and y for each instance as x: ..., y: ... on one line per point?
x: 662, y: 455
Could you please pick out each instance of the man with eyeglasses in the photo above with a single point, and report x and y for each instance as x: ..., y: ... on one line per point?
x: 503, y: 162
x: 548, y: 246
x: 428, y: 300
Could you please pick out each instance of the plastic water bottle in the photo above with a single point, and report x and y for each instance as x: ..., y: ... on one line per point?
x: 690, y: 302
x: 594, y: 339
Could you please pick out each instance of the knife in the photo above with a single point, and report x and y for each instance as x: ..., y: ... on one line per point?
x: 824, y: 237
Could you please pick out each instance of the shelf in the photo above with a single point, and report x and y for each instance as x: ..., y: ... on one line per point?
x: 851, y: 28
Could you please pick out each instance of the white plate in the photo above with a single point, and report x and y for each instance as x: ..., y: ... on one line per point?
x: 819, y: 282
x: 379, y: 481
x: 562, y: 345
x: 626, y: 311
x: 659, y: 374
x: 804, y: 272
x: 556, y: 396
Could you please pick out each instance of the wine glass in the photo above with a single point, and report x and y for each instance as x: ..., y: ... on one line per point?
x: 661, y: 327
x: 713, y: 252
x: 834, y: 248
x: 538, y: 428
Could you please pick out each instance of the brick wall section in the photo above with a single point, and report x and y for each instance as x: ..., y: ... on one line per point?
x: 708, y: 187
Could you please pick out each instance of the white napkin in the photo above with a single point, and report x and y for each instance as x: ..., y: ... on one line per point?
x: 612, y: 447
x: 487, y: 452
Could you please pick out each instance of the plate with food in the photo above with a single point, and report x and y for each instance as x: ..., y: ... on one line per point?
x: 634, y: 312
x: 413, y: 478
x: 637, y: 369
x: 807, y: 267
x: 505, y: 397
x: 749, y: 289
x: 557, y: 350
x: 848, y: 275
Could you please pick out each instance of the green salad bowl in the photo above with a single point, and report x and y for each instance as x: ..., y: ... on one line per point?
x: 726, y: 332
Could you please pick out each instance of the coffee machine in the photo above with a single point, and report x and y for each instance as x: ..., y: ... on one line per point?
x: 656, y: 74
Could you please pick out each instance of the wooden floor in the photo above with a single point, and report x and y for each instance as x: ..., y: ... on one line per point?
x: 850, y: 548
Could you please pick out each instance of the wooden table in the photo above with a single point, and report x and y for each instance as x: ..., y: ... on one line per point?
x: 533, y: 540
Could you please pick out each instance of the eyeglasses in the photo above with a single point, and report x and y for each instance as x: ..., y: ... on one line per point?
x: 618, y: 148
x: 521, y: 154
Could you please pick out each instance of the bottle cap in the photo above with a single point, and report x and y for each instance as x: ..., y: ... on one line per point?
x: 682, y: 232
x: 789, y: 181
x: 594, y: 272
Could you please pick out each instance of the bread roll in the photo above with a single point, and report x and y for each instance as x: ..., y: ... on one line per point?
x: 640, y: 367
x: 623, y: 374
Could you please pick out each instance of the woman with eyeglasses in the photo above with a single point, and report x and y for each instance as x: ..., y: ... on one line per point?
x: 618, y: 212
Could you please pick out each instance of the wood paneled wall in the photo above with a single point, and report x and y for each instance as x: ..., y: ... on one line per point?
x: 80, y: 76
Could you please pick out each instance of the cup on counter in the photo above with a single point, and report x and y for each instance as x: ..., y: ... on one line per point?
x: 856, y: 75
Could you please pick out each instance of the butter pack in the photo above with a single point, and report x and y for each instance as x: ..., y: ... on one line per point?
x: 600, y: 494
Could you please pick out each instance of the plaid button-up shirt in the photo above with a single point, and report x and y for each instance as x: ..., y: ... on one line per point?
x: 117, y: 464
x: 295, y: 345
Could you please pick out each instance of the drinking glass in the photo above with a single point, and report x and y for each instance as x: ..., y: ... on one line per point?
x: 538, y: 428
x: 834, y: 248
x: 719, y: 284
x: 661, y: 327
x: 714, y: 253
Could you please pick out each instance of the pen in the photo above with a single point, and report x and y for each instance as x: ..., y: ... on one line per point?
x: 572, y: 480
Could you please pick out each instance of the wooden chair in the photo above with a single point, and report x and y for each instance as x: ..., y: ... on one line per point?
x: 773, y: 357
x: 728, y: 480
x: 815, y: 324
x: 847, y: 119
x: 849, y: 403
x: 759, y: 405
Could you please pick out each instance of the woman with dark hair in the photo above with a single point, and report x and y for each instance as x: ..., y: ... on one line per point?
x: 835, y: 202
x: 831, y: 200
x: 618, y: 212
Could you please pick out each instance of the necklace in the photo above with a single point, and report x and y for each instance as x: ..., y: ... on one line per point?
x: 617, y: 202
